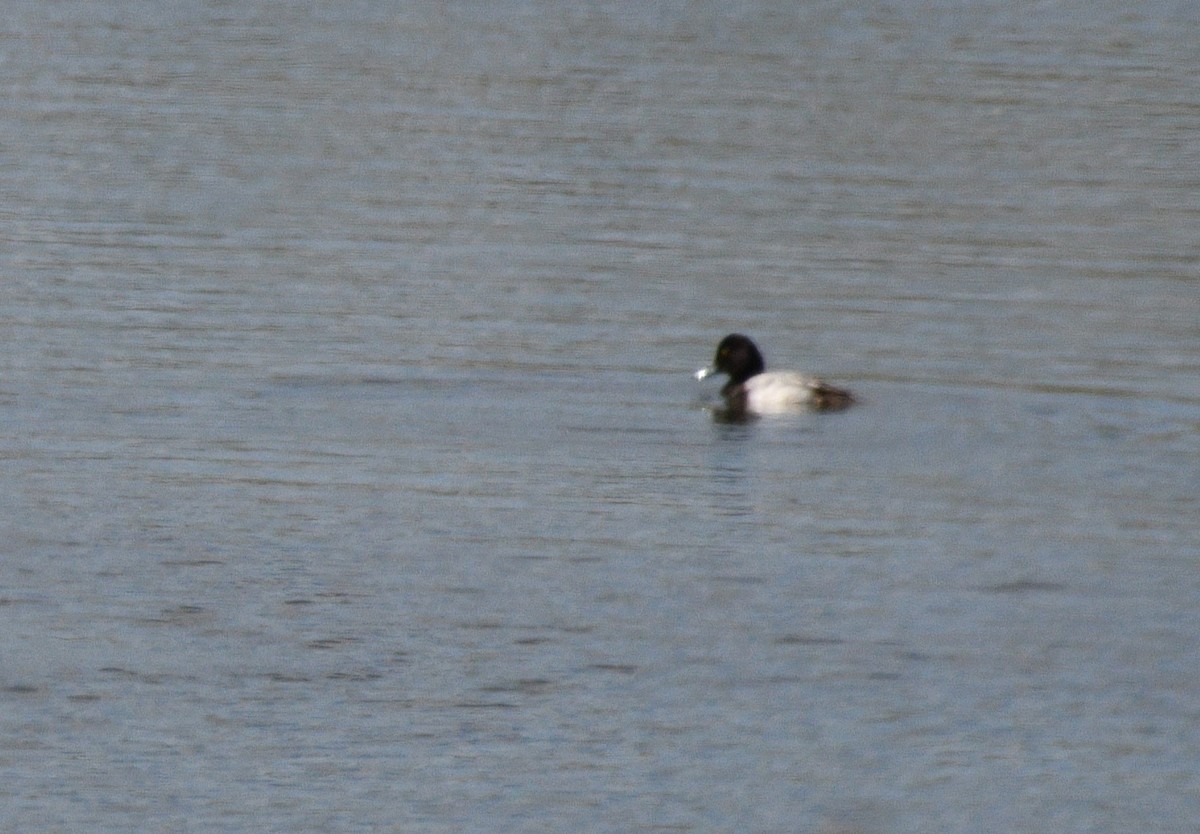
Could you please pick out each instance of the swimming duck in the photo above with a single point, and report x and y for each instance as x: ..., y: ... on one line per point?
x: 752, y: 390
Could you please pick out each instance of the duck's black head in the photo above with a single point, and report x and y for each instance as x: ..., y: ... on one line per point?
x: 738, y: 357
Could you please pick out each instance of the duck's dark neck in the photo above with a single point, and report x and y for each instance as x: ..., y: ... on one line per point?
x: 752, y: 365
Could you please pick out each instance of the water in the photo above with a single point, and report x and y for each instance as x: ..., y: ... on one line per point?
x: 355, y: 479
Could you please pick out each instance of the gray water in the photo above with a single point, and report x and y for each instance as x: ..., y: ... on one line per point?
x: 355, y: 479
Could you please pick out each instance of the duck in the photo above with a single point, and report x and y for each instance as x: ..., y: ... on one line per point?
x: 754, y: 391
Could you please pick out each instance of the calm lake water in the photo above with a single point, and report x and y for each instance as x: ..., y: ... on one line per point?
x: 354, y: 478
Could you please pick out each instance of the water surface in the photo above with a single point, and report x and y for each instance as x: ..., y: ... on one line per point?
x: 355, y: 479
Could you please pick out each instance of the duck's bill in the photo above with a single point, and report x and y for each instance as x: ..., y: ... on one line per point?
x: 705, y: 372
